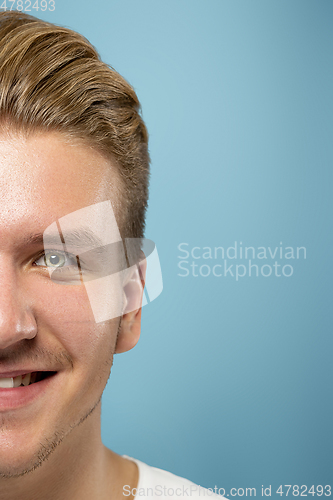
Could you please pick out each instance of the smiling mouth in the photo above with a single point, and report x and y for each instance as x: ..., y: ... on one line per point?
x: 24, y: 380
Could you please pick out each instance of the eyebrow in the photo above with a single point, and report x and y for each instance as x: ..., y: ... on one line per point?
x: 76, y: 238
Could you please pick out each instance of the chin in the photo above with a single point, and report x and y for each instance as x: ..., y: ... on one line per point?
x: 22, y: 452
x: 11, y: 467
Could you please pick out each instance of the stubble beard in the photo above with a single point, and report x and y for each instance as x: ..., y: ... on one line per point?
x: 49, y: 445
x: 46, y: 448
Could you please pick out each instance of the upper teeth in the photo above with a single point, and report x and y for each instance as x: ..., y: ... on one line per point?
x: 6, y: 383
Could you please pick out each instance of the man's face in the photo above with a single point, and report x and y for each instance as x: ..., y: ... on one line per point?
x: 45, y: 326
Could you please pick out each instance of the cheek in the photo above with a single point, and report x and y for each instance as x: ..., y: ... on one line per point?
x: 64, y: 312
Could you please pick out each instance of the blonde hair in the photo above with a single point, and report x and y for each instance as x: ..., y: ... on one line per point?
x: 52, y: 79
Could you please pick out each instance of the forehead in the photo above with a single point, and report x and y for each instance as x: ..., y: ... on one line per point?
x: 48, y: 175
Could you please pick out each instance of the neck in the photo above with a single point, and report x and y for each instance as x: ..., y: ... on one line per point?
x: 80, y: 468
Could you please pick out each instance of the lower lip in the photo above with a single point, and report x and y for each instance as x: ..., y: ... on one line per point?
x: 22, y: 396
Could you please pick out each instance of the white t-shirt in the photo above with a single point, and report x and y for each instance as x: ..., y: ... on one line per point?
x: 162, y: 485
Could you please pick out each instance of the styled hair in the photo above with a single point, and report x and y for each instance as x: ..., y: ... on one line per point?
x: 52, y: 79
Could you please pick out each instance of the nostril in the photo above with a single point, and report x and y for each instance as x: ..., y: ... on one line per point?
x: 15, y: 327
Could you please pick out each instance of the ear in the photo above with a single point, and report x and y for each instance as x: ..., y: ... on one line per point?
x: 130, y: 327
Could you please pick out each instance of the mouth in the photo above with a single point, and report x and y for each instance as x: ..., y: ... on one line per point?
x: 25, y: 379
x: 22, y: 388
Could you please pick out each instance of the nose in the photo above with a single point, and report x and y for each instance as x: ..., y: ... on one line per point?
x: 17, y: 321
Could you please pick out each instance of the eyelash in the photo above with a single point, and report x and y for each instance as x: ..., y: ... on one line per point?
x: 66, y: 255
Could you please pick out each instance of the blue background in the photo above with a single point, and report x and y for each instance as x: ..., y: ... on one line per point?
x: 231, y: 382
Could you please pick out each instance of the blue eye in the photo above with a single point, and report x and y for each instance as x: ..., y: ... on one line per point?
x: 55, y: 259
